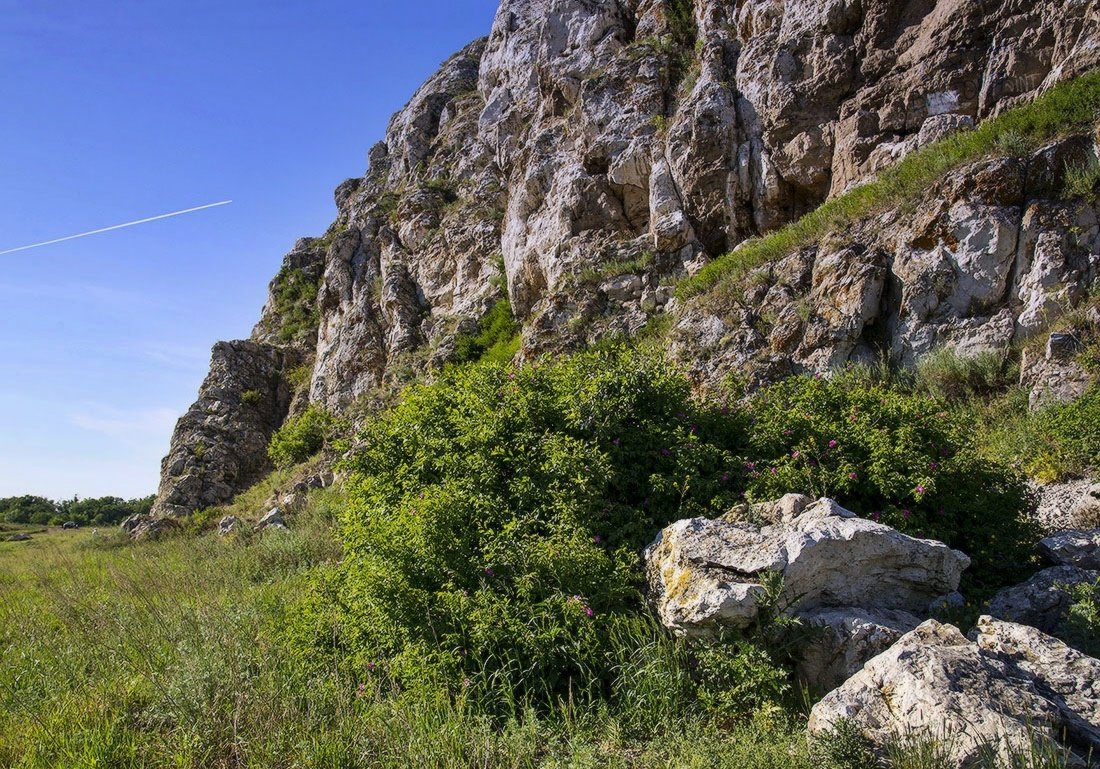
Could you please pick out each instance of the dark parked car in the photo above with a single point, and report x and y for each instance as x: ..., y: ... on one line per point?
x: 70, y: 525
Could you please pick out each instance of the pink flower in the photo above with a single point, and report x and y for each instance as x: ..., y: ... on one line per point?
x: 775, y: 471
x: 489, y: 571
x: 361, y: 690
x: 371, y: 666
x: 934, y: 466
x: 905, y: 514
x: 794, y: 455
x: 588, y: 611
x: 833, y: 444
x: 920, y: 488
x: 853, y: 476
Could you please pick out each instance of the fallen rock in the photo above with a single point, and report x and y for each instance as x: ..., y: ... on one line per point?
x: 133, y: 522
x: 709, y: 573
x: 1041, y: 601
x: 19, y: 538
x: 152, y: 528
x: 1068, y: 678
x: 1073, y: 548
x: 845, y: 639
x: 273, y: 519
x: 228, y: 525
x: 935, y: 684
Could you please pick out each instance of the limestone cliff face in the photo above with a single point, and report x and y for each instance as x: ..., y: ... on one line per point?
x: 589, y: 151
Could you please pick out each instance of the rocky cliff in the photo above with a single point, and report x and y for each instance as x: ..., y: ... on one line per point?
x: 588, y: 153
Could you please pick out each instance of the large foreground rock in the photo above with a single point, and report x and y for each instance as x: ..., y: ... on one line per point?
x: 1042, y: 601
x: 705, y: 574
x: 935, y: 684
x: 1065, y: 676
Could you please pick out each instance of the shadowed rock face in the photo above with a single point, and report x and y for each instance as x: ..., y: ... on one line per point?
x: 583, y: 134
x: 220, y: 445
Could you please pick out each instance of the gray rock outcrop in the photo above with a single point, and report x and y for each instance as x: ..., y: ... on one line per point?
x: 586, y: 154
x: 845, y: 639
x: 219, y: 446
x: 1065, y: 676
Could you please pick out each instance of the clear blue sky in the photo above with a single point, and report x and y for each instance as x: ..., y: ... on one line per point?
x: 115, y: 111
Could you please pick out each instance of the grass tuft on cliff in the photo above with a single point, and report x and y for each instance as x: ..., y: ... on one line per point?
x: 1066, y: 108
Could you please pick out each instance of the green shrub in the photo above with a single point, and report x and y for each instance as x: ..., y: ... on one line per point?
x: 738, y: 679
x: 892, y: 456
x: 1056, y: 442
x: 1081, y: 626
x: 295, y: 295
x: 497, y: 338
x: 251, y: 397
x: 1083, y: 181
x: 496, y: 518
x: 302, y: 436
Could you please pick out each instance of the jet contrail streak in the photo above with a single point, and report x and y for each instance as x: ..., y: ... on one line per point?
x: 116, y: 227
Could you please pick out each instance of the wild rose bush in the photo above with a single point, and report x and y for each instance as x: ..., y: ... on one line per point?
x: 496, y: 519
x: 893, y: 456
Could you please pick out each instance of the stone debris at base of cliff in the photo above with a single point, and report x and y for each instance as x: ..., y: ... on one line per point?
x: 1012, y: 687
x: 272, y: 519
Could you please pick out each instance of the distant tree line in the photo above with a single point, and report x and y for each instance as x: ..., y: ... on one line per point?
x: 100, y: 511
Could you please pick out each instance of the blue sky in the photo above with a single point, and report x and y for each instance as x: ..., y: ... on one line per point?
x: 115, y: 111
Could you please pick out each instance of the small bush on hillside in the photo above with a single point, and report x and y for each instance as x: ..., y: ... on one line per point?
x: 893, y: 456
x: 1081, y: 626
x: 1083, y: 181
x: 496, y: 519
x: 295, y: 296
x: 302, y: 436
x: 497, y: 338
x: 1056, y: 442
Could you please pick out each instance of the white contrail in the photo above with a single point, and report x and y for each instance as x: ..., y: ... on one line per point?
x: 115, y: 227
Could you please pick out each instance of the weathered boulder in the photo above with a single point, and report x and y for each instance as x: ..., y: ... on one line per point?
x: 1065, y: 676
x: 18, y: 538
x: 1073, y: 548
x: 228, y: 525
x: 844, y: 639
x: 935, y: 684
x: 150, y: 527
x: 272, y: 519
x: 709, y: 573
x: 1042, y: 601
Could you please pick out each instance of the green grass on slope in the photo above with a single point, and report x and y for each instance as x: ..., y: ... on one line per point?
x: 1069, y: 107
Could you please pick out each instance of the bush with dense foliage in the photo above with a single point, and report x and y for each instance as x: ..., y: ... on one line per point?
x: 496, y: 339
x: 302, y: 436
x: 894, y: 456
x: 496, y: 519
